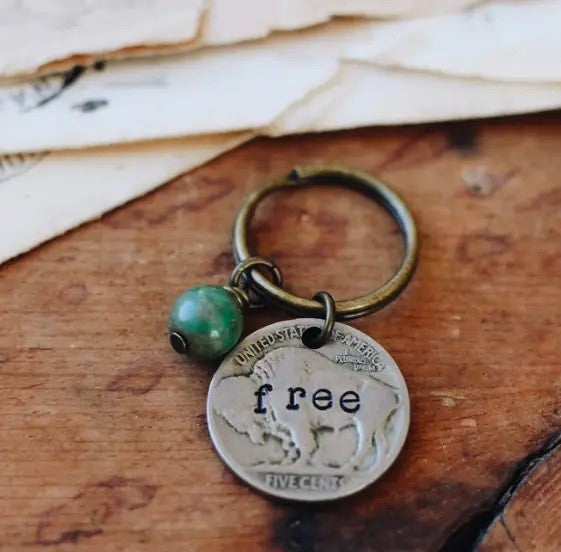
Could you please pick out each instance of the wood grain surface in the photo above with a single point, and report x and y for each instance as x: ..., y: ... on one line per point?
x: 103, y: 442
x: 528, y: 514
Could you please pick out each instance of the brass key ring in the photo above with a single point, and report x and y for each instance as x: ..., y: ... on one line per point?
x: 364, y: 183
x: 325, y: 366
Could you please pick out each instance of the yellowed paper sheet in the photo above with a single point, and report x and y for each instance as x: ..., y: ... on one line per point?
x: 397, y: 8
x: 57, y: 35
x: 230, y: 21
x: 216, y: 90
x: 362, y: 95
x: 245, y: 87
x: 34, y: 32
x: 43, y: 195
x: 500, y: 41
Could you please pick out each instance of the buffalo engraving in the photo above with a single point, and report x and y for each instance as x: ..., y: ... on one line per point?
x: 295, y: 395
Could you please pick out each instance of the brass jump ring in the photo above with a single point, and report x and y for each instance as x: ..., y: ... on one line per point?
x: 247, y: 267
x: 364, y: 183
x: 316, y: 337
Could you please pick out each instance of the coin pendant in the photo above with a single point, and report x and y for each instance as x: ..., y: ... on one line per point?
x: 308, y: 424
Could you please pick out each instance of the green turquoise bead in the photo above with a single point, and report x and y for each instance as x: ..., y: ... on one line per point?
x: 205, y: 322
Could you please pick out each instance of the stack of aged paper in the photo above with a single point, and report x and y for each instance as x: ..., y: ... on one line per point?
x: 94, y: 112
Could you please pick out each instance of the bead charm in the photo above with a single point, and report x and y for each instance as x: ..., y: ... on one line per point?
x: 205, y: 322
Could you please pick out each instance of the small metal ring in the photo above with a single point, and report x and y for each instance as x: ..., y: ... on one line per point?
x: 368, y: 185
x: 313, y: 339
x: 249, y: 264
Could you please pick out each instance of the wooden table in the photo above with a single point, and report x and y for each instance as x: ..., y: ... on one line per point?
x: 103, y: 438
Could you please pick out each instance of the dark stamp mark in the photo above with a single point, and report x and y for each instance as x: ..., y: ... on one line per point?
x: 90, y: 105
x: 69, y: 78
x: 45, y: 89
x: 17, y: 164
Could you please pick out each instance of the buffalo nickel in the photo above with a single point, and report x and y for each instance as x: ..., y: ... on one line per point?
x: 308, y: 424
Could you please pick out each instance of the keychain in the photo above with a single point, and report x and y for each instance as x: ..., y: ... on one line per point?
x: 305, y: 409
